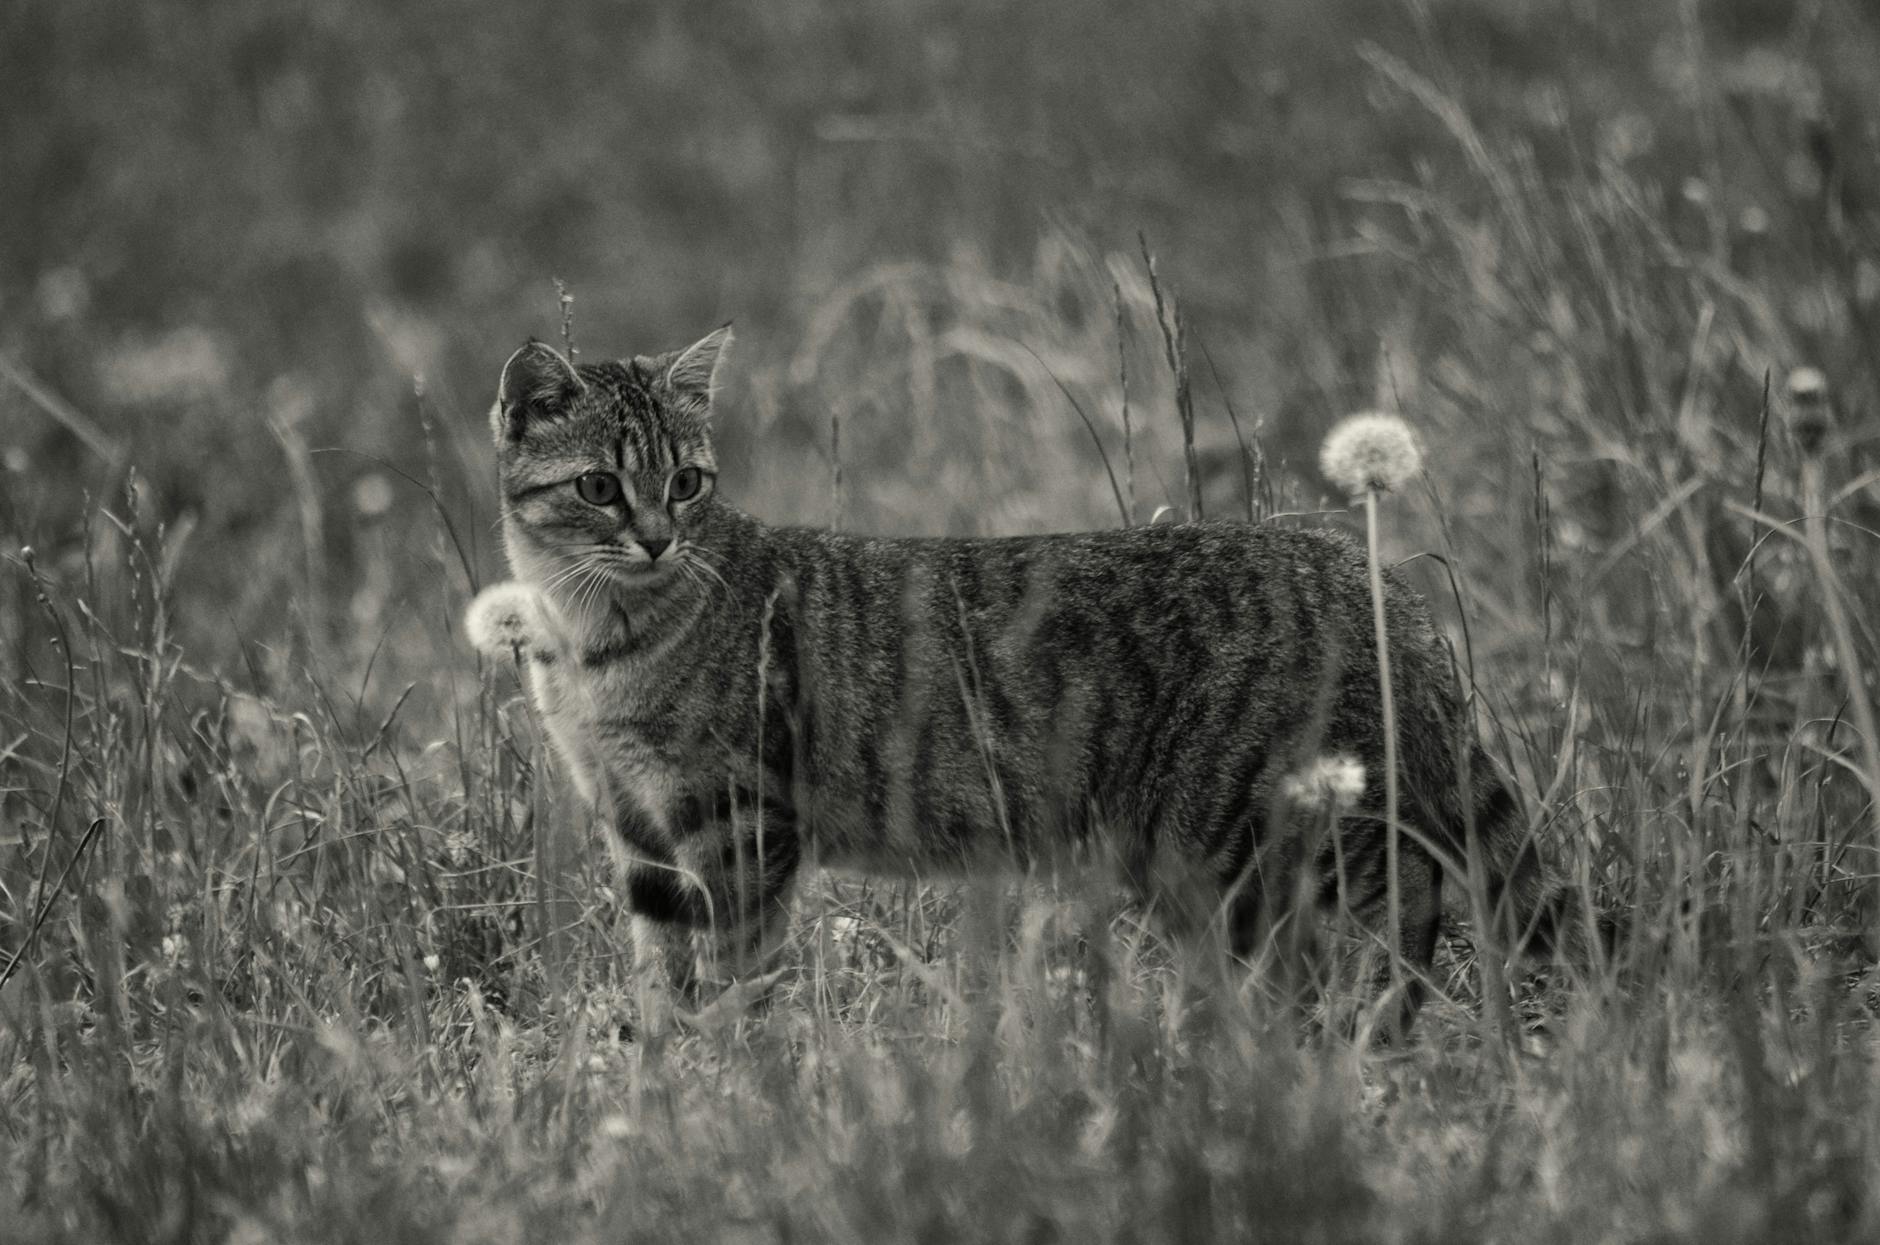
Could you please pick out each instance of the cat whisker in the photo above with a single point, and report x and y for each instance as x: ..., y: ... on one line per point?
x: 579, y: 581
x: 570, y: 583
x: 696, y: 556
x: 699, y: 567
x: 594, y: 588
x: 564, y: 574
x: 575, y: 557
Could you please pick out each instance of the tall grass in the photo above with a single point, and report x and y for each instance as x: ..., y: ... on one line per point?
x: 302, y: 936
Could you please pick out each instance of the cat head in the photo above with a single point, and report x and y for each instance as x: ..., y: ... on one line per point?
x: 606, y: 469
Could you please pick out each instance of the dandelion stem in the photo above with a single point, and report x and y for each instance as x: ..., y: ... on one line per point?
x: 1393, y: 890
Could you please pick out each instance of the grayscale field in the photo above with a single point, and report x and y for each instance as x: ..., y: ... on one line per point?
x: 304, y: 934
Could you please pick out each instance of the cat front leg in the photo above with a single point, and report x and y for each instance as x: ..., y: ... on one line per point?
x: 719, y: 911
x: 750, y: 864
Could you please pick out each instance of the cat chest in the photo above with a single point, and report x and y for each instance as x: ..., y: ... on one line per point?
x: 631, y: 738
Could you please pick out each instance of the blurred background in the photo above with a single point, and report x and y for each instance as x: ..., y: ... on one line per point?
x: 261, y: 264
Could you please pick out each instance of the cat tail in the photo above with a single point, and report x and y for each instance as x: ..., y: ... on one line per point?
x: 1532, y: 913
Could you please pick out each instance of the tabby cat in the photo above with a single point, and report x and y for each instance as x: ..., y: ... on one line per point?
x: 738, y: 700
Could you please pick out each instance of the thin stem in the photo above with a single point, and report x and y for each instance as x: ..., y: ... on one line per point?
x: 835, y: 467
x: 1122, y: 380
x: 47, y: 901
x: 1393, y: 889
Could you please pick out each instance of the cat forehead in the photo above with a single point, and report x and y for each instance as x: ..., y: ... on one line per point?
x: 618, y: 398
x: 620, y: 389
x: 620, y: 415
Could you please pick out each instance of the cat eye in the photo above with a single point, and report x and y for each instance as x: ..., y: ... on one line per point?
x: 685, y: 483
x: 598, y: 488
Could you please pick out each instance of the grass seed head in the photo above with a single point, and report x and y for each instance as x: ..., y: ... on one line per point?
x: 1370, y: 451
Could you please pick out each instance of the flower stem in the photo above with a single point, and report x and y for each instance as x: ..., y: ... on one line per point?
x: 1394, y: 893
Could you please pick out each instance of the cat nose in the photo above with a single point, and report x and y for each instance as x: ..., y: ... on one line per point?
x: 655, y: 546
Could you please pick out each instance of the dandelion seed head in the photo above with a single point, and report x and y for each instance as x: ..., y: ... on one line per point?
x: 1370, y: 451
x: 1810, y: 416
x: 1807, y: 384
x: 1329, y: 782
x: 510, y: 616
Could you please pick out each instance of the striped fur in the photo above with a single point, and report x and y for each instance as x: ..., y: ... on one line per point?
x: 759, y: 697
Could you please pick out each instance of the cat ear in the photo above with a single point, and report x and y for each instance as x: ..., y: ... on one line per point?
x: 537, y: 383
x: 695, y: 369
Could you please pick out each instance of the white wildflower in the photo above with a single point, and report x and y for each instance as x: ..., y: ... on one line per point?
x: 508, y: 617
x: 1808, y: 384
x: 187, y: 364
x: 1811, y: 416
x: 64, y: 293
x: 372, y: 495
x: 1330, y: 782
x: 1370, y: 451
x: 1866, y: 283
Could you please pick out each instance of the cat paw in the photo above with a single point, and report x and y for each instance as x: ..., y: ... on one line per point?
x: 732, y: 1004
x: 658, y: 1012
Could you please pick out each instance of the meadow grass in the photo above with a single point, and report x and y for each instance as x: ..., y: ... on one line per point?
x: 302, y: 935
